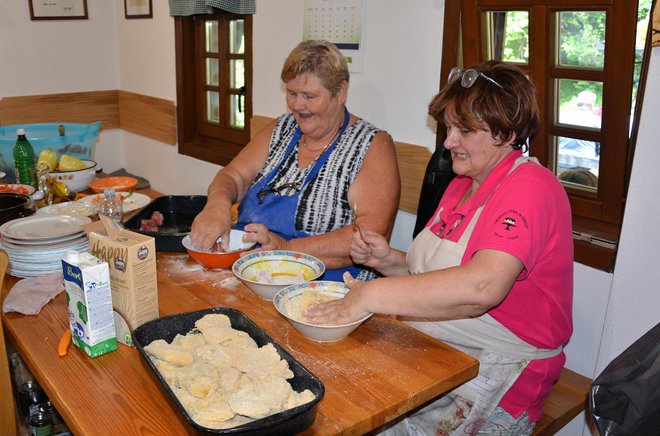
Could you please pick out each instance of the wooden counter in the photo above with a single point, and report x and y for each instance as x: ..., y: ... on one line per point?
x: 382, y: 370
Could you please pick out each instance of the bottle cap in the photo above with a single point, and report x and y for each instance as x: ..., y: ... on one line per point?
x: 109, y: 192
x: 20, y: 132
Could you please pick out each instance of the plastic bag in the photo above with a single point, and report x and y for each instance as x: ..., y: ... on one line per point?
x: 625, y: 398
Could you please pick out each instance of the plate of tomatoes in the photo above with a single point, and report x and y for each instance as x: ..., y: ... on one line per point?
x: 17, y: 188
x: 129, y: 200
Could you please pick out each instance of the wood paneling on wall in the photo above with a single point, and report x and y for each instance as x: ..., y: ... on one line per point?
x: 412, y: 165
x: 73, y: 107
x: 148, y: 116
x: 412, y: 161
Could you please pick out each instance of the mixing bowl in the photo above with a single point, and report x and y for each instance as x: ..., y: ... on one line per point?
x: 77, y: 180
x: 266, y: 272
x: 14, y: 206
x: 294, y: 300
x: 211, y: 259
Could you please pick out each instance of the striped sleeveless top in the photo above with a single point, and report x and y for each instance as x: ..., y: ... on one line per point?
x: 323, y: 204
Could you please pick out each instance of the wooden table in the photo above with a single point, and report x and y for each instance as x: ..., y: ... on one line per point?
x: 381, y: 371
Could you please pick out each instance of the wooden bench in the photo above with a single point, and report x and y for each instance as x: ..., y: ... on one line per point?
x: 568, y: 398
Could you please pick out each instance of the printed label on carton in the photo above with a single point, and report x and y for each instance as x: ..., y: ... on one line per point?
x: 131, y: 258
x: 87, y: 285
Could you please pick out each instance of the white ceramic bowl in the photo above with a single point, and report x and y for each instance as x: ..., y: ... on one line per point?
x: 77, y: 180
x: 294, y: 299
x: 223, y: 259
x: 266, y: 272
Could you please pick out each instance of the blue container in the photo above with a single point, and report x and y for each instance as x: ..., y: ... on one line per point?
x: 78, y: 141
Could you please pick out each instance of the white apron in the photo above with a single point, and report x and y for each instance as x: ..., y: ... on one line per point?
x: 502, y: 355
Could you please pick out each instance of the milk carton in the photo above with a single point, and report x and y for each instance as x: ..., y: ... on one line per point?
x: 87, y: 285
x: 131, y: 257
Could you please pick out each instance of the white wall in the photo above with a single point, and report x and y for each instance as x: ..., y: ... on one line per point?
x: 635, y: 296
x: 53, y: 56
x: 399, y: 75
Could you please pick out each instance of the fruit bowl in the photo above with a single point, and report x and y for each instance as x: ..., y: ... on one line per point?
x: 77, y: 180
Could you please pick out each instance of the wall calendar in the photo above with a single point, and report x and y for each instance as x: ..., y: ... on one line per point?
x: 337, y: 21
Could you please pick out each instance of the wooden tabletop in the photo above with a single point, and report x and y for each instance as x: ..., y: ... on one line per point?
x: 379, y: 372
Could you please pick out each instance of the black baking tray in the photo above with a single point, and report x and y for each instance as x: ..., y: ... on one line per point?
x: 179, y: 211
x: 287, y: 422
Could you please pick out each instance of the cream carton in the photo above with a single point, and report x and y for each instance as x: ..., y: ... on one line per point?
x: 87, y: 285
x: 131, y: 257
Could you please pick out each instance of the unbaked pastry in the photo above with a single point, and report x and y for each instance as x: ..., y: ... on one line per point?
x: 222, y: 378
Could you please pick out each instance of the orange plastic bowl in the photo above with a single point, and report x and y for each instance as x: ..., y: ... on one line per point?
x: 213, y: 260
x: 118, y: 183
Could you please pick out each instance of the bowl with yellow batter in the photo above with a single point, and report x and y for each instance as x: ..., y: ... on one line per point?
x: 266, y: 272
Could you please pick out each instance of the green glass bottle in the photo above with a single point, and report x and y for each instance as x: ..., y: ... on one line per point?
x: 24, y: 160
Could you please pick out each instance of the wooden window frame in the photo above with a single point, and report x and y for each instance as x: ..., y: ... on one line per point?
x: 196, y: 138
x: 597, y: 216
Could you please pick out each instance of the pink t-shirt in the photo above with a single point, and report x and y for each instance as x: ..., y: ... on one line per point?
x: 527, y: 215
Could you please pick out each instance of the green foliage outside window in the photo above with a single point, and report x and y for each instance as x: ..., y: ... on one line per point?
x: 582, y: 36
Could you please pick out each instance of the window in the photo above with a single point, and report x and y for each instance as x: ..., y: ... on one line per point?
x: 214, y: 85
x: 580, y: 56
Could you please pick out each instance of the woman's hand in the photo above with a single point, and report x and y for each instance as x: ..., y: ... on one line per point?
x: 343, y: 310
x: 369, y: 248
x: 210, y: 224
x: 268, y: 240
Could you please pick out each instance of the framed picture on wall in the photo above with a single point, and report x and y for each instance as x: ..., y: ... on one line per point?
x: 138, y: 8
x: 58, y: 9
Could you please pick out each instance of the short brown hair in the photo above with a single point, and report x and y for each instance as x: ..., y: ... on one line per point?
x: 321, y: 58
x: 510, y: 111
x: 580, y: 176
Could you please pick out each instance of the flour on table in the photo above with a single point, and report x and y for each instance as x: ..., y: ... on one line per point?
x: 177, y: 265
x: 228, y: 283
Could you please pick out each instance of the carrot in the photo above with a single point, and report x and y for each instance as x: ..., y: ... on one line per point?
x: 64, y: 343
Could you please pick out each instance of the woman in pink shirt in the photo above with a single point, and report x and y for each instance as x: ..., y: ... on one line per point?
x: 492, y: 272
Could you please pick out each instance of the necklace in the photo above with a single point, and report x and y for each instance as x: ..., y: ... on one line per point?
x: 323, y: 148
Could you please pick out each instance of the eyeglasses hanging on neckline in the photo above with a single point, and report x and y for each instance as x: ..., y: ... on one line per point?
x: 261, y: 195
x: 468, y: 77
x: 440, y: 232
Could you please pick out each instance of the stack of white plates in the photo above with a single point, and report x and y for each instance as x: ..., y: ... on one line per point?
x: 37, y: 244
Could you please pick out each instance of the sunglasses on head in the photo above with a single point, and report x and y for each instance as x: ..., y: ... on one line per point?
x: 468, y: 77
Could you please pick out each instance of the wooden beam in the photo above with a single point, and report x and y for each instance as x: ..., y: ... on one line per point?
x: 73, y: 107
x: 148, y: 116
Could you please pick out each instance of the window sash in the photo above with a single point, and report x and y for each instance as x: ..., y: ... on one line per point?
x: 217, y: 143
x: 597, y: 214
